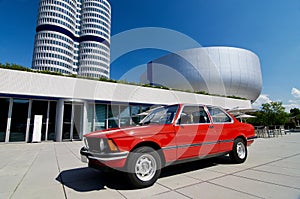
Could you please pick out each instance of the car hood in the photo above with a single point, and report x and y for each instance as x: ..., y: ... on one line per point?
x: 147, y: 130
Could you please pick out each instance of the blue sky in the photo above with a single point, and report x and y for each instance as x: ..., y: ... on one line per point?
x: 271, y: 29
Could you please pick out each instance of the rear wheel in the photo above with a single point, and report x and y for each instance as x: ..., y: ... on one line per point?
x: 239, y: 152
x: 143, y: 167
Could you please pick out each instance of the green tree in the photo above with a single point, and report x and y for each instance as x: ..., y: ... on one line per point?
x: 271, y: 114
x: 294, y: 118
x: 294, y: 112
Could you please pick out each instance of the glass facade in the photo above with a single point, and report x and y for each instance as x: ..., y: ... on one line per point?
x: 18, y: 126
x: 72, y: 121
x: 4, y: 107
x: 90, y: 118
x: 21, y: 119
x: 103, y: 116
x: 100, y: 117
x: 38, y: 108
x: 67, y: 122
x: 17, y: 117
x: 77, y: 121
x: 51, y: 120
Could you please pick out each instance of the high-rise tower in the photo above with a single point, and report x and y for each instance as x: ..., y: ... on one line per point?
x: 73, y: 37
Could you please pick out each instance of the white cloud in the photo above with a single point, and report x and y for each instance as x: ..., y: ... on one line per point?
x: 293, y: 103
x: 295, y: 92
x: 262, y: 99
x: 288, y: 107
x: 289, y: 104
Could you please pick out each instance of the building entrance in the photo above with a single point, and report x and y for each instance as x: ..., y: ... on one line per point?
x: 73, y: 121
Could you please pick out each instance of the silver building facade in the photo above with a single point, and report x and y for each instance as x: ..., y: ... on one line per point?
x: 73, y: 37
x: 217, y: 70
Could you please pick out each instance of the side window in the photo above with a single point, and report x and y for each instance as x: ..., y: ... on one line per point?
x: 193, y: 115
x: 218, y: 115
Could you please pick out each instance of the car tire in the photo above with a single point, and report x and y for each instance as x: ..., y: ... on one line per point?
x: 143, y: 167
x: 239, y: 152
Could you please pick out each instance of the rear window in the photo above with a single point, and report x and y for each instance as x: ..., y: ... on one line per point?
x: 218, y: 115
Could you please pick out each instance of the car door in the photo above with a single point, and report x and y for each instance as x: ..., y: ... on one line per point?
x: 193, y: 133
x: 223, y: 126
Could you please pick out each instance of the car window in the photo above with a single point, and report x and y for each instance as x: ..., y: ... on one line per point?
x: 218, y: 115
x: 193, y: 115
x: 164, y: 115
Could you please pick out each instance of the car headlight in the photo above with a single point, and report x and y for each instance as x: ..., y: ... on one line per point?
x: 102, y: 145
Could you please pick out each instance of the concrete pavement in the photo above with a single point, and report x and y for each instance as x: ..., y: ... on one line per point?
x: 54, y: 170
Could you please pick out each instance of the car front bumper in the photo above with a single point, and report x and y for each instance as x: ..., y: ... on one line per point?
x: 113, y: 160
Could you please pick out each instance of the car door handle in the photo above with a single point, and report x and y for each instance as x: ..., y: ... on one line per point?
x: 211, y: 127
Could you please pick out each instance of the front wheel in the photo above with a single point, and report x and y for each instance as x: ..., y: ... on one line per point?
x: 143, y: 167
x: 239, y: 152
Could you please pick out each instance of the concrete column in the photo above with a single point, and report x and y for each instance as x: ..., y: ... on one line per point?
x: 47, y: 121
x: 84, y: 118
x: 11, y: 102
x: 28, y: 121
x: 59, y: 120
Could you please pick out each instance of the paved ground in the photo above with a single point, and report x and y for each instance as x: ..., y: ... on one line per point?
x: 54, y: 170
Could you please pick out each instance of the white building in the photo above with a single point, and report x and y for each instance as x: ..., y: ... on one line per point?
x: 217, y: 70
x: 73, y: 37
x: 72, y: 107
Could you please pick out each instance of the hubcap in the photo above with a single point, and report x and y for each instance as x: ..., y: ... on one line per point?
x: 241, y: 150
x: 145, y: 167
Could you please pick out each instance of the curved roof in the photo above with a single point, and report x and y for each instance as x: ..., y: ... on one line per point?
x: 217, y: 70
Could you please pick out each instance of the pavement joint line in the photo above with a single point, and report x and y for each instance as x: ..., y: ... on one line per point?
x: 119, y: 191
x: 171, y: 191
x: 275, y: 173
x: 284, y: 167
x: 29, y: 168
x: 250, y: 168
x: 182, y: 194
x: 59, y: 170
x: 122, y: 194
x: 249, y: 194
x: 278, y: 160
x: 199, y: 182
x: 66, y: 145
x: 266, y: 182
x: 165, y: 186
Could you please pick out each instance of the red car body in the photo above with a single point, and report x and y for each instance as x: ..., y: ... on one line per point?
x: 183, y: 133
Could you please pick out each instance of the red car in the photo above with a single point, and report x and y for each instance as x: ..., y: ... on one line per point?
x: 168, y: 135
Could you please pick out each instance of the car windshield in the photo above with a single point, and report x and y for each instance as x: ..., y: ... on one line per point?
x: 164, y: 115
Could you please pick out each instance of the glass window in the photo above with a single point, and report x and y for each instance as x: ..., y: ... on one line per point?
x: 90, y: 118
x: 51, y: 122
x: 100, y: 116
x: 4, y: 107
x: 135, y: 112
x: 218, y: 115
x: 38, y: 108
x: 77, y: 119
x: 113, y: 116
x: 19, y: 120
x: 193, y: 115
x: 67, y: 121
x: 163, y: 115
x: 124, y: 116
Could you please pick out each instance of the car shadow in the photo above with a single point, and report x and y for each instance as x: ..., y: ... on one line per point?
x: 87, y: 179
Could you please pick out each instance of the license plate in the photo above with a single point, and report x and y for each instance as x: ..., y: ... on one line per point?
x: 84, y: 159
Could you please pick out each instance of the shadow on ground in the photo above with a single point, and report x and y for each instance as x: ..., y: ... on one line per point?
x: 88, y: 179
